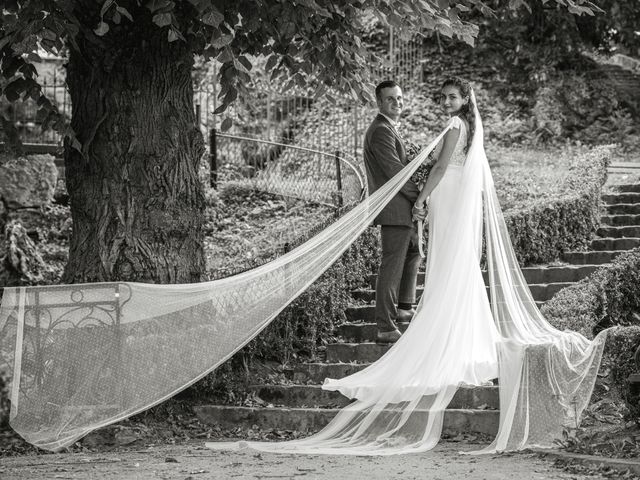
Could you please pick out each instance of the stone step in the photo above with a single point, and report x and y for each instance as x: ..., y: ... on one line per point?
x: 533, y: 275
x: 591, y: 258
x: 310, y: 420
x: 621, y: 197
x: 559, y: 274
x: 362, y: 332
x: 540, y: 292
x: 627, y: 231
x: 599, y: 244
x: 355, y: 352
x: 623, y: 209
x: 312, y: 372
x: 366, y: 313
x: 303, y: 396
x: 620, y: 220
x: 628, y: 187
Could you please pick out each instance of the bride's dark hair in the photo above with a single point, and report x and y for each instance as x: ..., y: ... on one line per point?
x: 466, y: 111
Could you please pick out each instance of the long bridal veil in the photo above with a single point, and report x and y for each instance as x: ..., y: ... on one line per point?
x: 545, y: 376
x: 83, y: 356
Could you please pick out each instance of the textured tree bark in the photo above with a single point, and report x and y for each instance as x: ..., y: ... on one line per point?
x: 136, y: 201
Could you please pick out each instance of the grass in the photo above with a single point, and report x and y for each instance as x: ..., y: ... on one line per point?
x: 526, y: 176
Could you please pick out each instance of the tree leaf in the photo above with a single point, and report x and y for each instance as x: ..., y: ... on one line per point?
x: 124, y: 12
x: 213, y: 17
x: 245, y: 62
x: 102, y: 29
x: 162, y: 19
x: 226, y: 55
x: 160, y: 5
x: 105, y: 6
x: 222, y: 41
x: 14, y: 89
x: 273, y: 59
x: 220, y: 109
x: 174, y: 35
x: 226, y: 124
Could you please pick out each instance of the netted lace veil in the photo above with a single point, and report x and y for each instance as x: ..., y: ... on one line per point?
x: 545, y: 376
x: 83, y: 356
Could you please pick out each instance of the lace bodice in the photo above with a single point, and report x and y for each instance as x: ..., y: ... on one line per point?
x: 458, y: 156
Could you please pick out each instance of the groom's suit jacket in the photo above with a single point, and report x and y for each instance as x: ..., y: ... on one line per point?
x: 384, y: 156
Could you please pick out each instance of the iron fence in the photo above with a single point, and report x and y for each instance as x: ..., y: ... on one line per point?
x: 330, y: 178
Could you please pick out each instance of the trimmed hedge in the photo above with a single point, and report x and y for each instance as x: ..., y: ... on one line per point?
x: 609, y: 297
x: 543, y: 231
x: 618, y: 355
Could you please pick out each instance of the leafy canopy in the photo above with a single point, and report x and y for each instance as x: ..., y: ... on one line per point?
x: 306, y: 42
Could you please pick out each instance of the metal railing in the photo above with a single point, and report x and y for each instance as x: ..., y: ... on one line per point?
x: 330, y: 178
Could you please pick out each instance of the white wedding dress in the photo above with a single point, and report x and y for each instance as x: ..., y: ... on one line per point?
x: 453, y: 315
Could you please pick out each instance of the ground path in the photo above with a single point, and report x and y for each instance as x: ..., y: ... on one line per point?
x: 194, y: 462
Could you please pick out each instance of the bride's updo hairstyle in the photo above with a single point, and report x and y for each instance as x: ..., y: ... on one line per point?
x: 466, y: 111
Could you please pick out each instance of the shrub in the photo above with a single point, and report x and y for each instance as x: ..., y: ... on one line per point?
x: 608, y: 297
x: 542, y: 231
x: 620, y: 348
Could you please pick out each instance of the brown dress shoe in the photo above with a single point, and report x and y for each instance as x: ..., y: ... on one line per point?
x: 388, y: 337
x: 405, y: 315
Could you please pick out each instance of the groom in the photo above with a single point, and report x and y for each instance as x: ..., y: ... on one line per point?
x: 384, y: 156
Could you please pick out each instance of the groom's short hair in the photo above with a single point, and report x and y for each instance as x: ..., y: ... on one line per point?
x: 383, y: 85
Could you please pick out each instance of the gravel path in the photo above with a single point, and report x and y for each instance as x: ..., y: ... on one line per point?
x: 195, y: 462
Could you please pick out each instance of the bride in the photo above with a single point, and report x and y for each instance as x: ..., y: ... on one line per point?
x: 457, y: 338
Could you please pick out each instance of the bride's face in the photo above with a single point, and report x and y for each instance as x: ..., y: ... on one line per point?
x: 452, y: 100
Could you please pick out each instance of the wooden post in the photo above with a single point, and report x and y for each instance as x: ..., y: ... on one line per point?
x: 339, y: 179
x: 213, y: 160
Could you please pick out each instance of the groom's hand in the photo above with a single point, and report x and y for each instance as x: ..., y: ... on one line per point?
x: 418, y: 213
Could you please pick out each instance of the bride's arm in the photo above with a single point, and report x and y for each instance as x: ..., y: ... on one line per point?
x: 450, y: 140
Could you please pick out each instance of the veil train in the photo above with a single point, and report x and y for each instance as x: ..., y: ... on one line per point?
x: 87, y: 355
x: 546, y: 376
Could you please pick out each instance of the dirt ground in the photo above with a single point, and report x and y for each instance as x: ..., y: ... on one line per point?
x: 195, y: 462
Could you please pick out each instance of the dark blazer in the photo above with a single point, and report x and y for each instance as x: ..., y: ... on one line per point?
x: 384, y: 156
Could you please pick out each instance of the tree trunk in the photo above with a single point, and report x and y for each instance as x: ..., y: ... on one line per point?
x: 136, y: 201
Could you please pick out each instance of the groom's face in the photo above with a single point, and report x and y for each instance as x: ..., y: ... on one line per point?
x: 390, y: 102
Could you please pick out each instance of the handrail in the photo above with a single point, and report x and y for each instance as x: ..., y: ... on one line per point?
x: 349, y: 163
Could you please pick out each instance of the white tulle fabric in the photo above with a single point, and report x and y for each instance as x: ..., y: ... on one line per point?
x: 455, y: 340
x: 84, y: 356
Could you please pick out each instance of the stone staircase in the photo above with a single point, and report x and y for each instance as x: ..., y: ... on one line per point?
x: 303, y: 406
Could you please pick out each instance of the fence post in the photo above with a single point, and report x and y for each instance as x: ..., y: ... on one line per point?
x: 213, y: 160
x: 355, y: 130
x: 339, y: 179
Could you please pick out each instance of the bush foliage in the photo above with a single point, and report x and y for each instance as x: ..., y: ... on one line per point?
x: 543, y: 230
x: 609, y: 297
